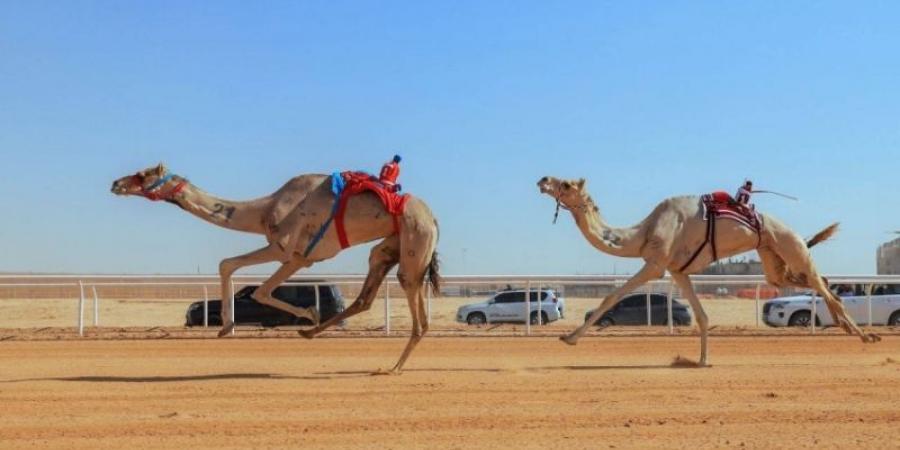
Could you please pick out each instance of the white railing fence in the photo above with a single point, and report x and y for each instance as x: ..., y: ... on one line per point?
x: 461, y: 286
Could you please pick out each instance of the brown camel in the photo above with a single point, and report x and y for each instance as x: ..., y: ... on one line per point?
x: 669, y: 238
x: 290, y: 218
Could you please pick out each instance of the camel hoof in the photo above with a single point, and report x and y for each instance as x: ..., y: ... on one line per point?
x: 307, y: 333
x: 568, y: 339
x: 382, y: 372
x: 313, y: 315
x: 226, y: 330
x: 872, y: 338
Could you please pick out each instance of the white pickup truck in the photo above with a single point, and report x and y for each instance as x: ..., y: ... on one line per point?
x: 796, y: 311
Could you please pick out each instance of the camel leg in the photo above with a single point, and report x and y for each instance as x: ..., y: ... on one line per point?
x: 684, y: 282
x: 647, y: 273
x: 263, y: 294
x: 382, y: 259
x: 838, y: 313
x: 802, y: 271
x: 413, y: 265
x: 417, y: 244
x: 773, y: 267
x: 419, y: 325
x: 228, y: 267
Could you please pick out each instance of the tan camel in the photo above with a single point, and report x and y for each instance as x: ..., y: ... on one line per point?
x: 671, y: 235
x: 290, y: 218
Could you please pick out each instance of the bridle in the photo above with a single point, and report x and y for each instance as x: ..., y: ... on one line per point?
x: 559, y: 205
x: 154, y: 191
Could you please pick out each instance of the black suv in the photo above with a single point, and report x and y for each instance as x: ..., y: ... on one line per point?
x: 249, y: 311
x: 632, y: 310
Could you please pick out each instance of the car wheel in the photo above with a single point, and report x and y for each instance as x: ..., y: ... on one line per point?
x: 534, y: 318
x: 605, y: 322
x: 214, y: 319
x: 801, y: 319
x: 476, y: 319
x: 895, y: 319
x: 677, y: 322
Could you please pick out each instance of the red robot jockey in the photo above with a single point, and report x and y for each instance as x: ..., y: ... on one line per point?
x: 390, y: 172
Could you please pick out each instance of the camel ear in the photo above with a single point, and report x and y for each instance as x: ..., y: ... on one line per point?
x: 581, y: 183
x: 160, y: 169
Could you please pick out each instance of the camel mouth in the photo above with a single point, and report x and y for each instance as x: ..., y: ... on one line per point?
x: 118, y: 189
x: 545, y: 187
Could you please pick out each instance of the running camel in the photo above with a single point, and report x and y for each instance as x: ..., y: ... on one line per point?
x: 297, y: 222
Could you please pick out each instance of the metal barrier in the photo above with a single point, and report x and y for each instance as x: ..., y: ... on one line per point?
x: 203, y: 282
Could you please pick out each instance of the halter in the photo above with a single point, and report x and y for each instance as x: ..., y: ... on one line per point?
x: 152, y: 192
x: 559, y: 204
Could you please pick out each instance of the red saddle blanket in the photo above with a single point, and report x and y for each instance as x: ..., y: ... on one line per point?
x: 722, y: 205
x: 358, y: 182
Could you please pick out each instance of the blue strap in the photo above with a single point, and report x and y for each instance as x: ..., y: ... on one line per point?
x: 337, y: 187
x: 159, y: 183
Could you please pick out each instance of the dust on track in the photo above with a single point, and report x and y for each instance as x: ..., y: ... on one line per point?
x: 472, y: 392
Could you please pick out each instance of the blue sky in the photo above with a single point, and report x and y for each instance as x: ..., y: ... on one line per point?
x: 644, y: 99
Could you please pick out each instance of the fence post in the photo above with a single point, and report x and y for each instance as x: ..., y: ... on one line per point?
x: 758, y: 287
x: 318, y: 302
x: 205, y: 307
x: 233, y: 312
x: 812, y: 319
x: 528, y: 308
x: 429, y: 290
x: 649, y: 308
x: 540, y: 309
x: 669, y: 307
x: 869, y: 302
x: 81, y: 308
x: 387, y: 308
x: 96, y: 307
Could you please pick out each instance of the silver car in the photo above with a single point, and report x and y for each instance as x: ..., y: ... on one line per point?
x: 509, y: 306
x: 796, y: 311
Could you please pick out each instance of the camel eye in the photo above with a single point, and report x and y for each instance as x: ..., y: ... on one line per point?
x: 566, y: 185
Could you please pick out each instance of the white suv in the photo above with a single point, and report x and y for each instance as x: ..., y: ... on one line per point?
x: 509, y: 306
x: 796, y: 311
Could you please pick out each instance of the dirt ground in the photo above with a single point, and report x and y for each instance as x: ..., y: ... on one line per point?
x: 458, y: 392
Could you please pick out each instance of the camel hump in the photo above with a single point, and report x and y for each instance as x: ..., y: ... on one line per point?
x: 289, y: 197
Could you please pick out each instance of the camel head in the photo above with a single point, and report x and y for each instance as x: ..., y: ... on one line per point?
x: 570, y: 193
x: 154, y: 183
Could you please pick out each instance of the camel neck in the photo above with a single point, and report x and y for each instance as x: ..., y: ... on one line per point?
x: 624, y: 242
x: 240, y: 216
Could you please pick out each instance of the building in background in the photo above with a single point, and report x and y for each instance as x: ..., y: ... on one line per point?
x: 734, y: 266
x: 889, y: 258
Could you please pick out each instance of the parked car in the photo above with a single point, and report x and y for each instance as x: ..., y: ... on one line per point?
x: 509, y: 306
x: 796, y: 311
x: 632, y: 310
x: 248, y: 311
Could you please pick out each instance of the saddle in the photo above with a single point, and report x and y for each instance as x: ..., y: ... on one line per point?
x: 721, y: 205
x: 348, y: 184
x: 355, y: 183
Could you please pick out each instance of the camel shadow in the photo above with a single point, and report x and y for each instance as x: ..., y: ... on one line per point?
x: 165, y: 379
x: 366, y: 373
x: 600, y: 368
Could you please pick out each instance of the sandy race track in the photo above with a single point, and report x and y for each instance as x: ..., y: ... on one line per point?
x: 475, y: 392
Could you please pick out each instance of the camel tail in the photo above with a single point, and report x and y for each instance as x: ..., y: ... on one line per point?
x: 434, y: 275
x: 823, y: 235
x: 434, y: 267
